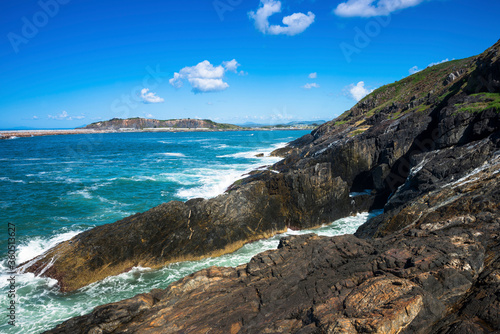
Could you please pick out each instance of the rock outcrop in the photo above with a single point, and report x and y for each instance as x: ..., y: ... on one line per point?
x: 427, y: 148
x: 198, y: 228
x: 439, y: 273
x: 435, y: 270
x: 147, y: 123
x: 372, y: 146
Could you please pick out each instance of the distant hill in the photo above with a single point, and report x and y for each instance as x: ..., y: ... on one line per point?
x: 146, y: 123
x: 295, y: 123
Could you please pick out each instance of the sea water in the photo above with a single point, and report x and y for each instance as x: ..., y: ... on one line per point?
x: 54, y: 187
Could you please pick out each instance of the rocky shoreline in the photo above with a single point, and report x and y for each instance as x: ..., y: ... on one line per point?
x: 12, y: 134
x: 428, y: 150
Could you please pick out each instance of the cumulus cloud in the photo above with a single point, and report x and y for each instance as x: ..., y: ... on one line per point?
x: 358, y: 91
x: 415, y: 69
x: 310, y: 85
x: 439, y: 62
x: 205, y: 77
x: 150, y: 97
x: 370, y: 8
x: 231, y: 65
x: 64, y: 116
x: 292, y: 25
x: 313, y: 75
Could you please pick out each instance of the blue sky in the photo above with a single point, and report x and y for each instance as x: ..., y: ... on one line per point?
x: 66, y: 63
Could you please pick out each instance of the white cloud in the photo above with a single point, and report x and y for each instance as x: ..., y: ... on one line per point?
x: 313, y: 75
x: 439, y: 62
x: 35, y: 117
x: 281, y: 117
x: 147, y: 115
x: 415, y: 69
x: 358, y: 91
x: 205, y: 77
x: 310, y: 85
x: 64, y: 116
x: 292, y: 25
x: 231, y: 65
x: 150, y: 97
x: 369, y: 8
x: 202, y: 85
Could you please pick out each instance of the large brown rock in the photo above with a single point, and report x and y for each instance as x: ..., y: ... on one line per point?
x: 439, y: 274
x: 199, y: 228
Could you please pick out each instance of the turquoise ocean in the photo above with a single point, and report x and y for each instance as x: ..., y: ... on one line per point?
x: 54, y: 187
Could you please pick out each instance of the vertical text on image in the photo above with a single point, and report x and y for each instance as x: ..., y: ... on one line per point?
x: 11, y: 264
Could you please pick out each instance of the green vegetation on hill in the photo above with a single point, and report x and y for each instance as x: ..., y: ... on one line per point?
x: 485, y: 101
x: 439, y: 86
x: 138, y: 123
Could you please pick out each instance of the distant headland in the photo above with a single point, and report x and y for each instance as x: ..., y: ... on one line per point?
x: 138, y: 124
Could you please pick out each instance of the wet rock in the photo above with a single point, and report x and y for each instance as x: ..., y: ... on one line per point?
x: 428, y: 264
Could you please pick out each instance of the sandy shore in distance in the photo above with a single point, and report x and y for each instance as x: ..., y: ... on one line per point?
x: 11, y: 134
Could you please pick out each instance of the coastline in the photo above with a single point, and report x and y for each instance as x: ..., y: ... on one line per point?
x: 12, y: 134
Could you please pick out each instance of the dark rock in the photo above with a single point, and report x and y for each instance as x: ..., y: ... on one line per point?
x: 428, y: 264
x: 399, y: 283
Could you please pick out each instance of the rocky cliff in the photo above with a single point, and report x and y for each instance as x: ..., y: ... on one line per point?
x: 427, y: 148
x: 146, y: 123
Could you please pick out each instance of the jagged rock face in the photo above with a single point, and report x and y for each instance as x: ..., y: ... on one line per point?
x: 373, y: 146
x: 440, y: 274
x: 429, y: 149
x: 435, y: 268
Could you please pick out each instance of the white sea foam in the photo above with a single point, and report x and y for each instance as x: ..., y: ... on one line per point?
x: 42, y: 301
x: 6, y: 179
x: 214, y: 181
x: 36, y: 246
x: 37, y: 159
x: 108, y: 201
x: 183, y: 178
x: 142, y: 178
x: 86, y: 191
x: 252, y: 154
x: 83, y: 192
x: 66, y: 179
x: 172, y: 154
x: 42, y: 306
x: 5, y: 205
